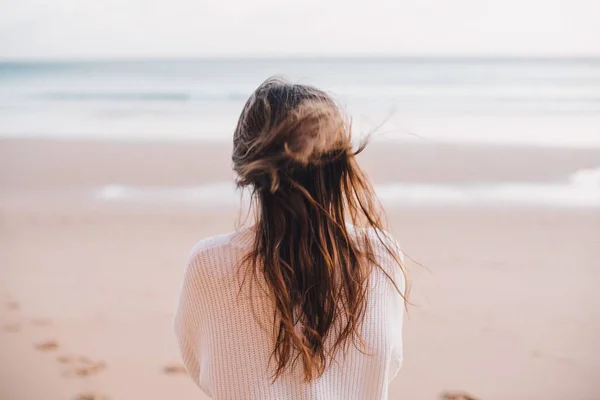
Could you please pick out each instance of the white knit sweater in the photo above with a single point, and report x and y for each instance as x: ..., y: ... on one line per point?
x: 225, y: 339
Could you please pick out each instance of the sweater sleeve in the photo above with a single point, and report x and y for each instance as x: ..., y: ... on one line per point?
x: 187, y: 320
x: 397, y: 305
x: 398, y: 309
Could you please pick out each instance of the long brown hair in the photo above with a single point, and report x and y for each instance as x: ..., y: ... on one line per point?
x: 292, y: 147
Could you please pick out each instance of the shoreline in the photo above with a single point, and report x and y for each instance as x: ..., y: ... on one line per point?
x: 191, y: 175
x: 27, y: 163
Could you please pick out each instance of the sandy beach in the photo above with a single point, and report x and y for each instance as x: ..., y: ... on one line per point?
x: 507, y: 307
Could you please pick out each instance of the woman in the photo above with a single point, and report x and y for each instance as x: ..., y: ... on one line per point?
x: 308, y: 302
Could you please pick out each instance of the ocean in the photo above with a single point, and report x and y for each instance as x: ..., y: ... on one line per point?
x: 541, y: 102
x: 533, y: 102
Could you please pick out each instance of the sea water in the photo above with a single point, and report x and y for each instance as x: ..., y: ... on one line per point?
x: 553, y: 102
x: 533, y: 102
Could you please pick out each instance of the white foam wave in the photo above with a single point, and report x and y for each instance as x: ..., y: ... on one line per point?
x: 212, y: 194
x: 586, y: 178
x: 581, y: 190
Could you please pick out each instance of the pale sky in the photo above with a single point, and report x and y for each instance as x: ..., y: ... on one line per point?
x: 196, y: 28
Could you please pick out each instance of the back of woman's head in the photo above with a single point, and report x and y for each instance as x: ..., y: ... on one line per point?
x: 293, y: 148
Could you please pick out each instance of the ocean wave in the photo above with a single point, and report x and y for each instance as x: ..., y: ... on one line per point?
x: 116, y: 96
x: 581, y: 190
x: 140, y: 96
x: 586, y: 178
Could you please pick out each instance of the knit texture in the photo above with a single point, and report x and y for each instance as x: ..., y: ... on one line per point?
x: 225, y: 335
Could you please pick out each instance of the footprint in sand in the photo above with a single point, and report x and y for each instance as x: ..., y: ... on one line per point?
x: 456, y: 396
x: 15, y: 327
x: 48, y: 345
x: 91, y: 396
x: 66, y: 359
x: 174, y: 369
x: 80, y: 366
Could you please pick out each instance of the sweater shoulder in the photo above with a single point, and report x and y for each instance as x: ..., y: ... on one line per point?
x: 387, y: 250
x: 213, y: 256
x: 382, y: 241
x: 210, y: 244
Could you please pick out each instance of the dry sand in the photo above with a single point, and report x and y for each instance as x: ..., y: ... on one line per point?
x: 509, y: 308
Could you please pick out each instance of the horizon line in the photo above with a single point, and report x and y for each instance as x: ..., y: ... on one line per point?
x: 305, y: 57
